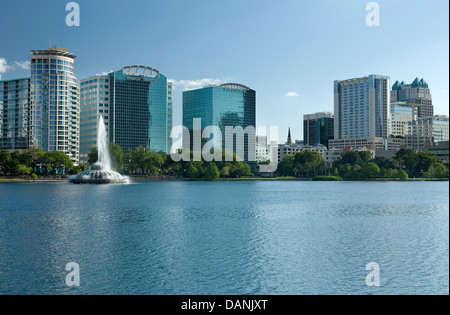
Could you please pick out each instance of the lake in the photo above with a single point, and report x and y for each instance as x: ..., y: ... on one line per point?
x: 225, y: 238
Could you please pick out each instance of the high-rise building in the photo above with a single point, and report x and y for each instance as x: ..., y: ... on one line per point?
x: 55, y: 104
x: 402, y: 114
x: 362, y: 107
x: 94, y: 102
x: 417, y: 92
x: 14, y: 114
x: 227, y: 105
x: 318, y: 128
x: 136, y: 104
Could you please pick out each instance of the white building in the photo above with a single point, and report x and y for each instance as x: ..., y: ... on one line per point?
x: 55, y: 103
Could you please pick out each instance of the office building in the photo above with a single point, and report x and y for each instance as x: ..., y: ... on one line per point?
x: 14, y: 114
x: 137, y: 107
x: 402, y: 114
x: 362, y: 108
x: 55, y: 106
x: 227, y: 105
x: 425, y: 132
x: 318, y: 128
x: 418, y: 93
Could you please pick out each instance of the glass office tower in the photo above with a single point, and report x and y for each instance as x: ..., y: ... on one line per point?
x: 14, y: 114
x: 227, y: 105
x: 55, y: 104
x: 140, y: 109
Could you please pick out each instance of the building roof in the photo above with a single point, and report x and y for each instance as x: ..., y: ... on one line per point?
x: 54, y: 51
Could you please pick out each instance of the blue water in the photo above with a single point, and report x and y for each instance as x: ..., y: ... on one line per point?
x: 225, y: 237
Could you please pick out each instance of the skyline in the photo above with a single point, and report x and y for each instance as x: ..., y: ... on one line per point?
x: 283, y: 61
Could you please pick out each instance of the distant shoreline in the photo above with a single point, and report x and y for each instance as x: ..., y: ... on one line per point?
x: 164, y: 179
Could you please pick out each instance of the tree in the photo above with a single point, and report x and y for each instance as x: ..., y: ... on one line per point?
x: 192, y: 171
x: 117, y: 157
x: 212, y: 172
x: 371, y: 170
x: 5, y: 161
x: 286, y: 166
x: 402, y: 175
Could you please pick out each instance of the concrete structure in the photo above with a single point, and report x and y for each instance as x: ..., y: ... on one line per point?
x: 417, y: 92
x: 15, y: 114
x: 318, y: 128
x: 362, y: 108
x: 55, y: 104
x: 298, y: 147
x: 376, y: 142
x: 402, y: 114
x: 426, y: 131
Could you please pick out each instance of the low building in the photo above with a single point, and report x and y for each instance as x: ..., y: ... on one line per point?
x: 442, y: 151
x: 299, y: 147
x: 377, y: 143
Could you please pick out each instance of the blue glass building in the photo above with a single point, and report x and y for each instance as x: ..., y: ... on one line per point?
x: 140, y: 109
x: 227, y: 105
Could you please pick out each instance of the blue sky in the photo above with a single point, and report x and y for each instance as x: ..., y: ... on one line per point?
x: 275, y: 47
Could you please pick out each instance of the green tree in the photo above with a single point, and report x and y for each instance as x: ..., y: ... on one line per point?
x: 5, y: 161
x: 117, y: 157
x: 286, y: 166
x: 212, y: 172
x: 370, y: 170
x: 402, y: 175
x: 192, y: 171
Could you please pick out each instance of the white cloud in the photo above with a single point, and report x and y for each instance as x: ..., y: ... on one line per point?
x: 23, y: 64
x: 4, y: 65
x: 187, y: 85
x: 292, y: 94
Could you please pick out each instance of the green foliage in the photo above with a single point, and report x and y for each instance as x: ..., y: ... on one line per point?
x: 404, y: 165
x: 328, y: 178
x: 212, y: 172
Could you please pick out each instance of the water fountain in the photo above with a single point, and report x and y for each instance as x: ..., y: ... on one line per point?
x: 100, y: 172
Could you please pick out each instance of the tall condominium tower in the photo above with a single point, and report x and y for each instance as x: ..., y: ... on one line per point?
x: 227, y: 105
x: 136, y: 104
x: 55, y: 104
x: 418, y: 93
x: 318, y: 128
x: 14, y: 114
x: 362, y: 107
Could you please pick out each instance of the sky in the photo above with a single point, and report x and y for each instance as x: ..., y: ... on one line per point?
x: 289, y: 51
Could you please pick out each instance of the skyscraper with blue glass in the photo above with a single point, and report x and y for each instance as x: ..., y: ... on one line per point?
x: 228, y: 105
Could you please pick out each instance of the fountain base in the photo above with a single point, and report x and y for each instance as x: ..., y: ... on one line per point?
x: 96, y: 175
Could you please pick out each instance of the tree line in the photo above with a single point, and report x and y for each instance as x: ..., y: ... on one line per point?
x: 361, y: 165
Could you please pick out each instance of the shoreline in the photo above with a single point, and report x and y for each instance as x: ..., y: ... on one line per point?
x: 275, y: 179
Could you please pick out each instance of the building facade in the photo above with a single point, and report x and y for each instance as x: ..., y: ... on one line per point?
x: 94, y: 102
x: 227, y: 105
x: 418, y: 93
x: 299, y: 147
x: 402, y: 114
x: 425, y: 132
x: 362, y: 107
x: 55, y: 104
x: 318, y: 128
x: 15, y: 114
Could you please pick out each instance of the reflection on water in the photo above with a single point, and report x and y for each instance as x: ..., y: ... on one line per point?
x: 225, y: 238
